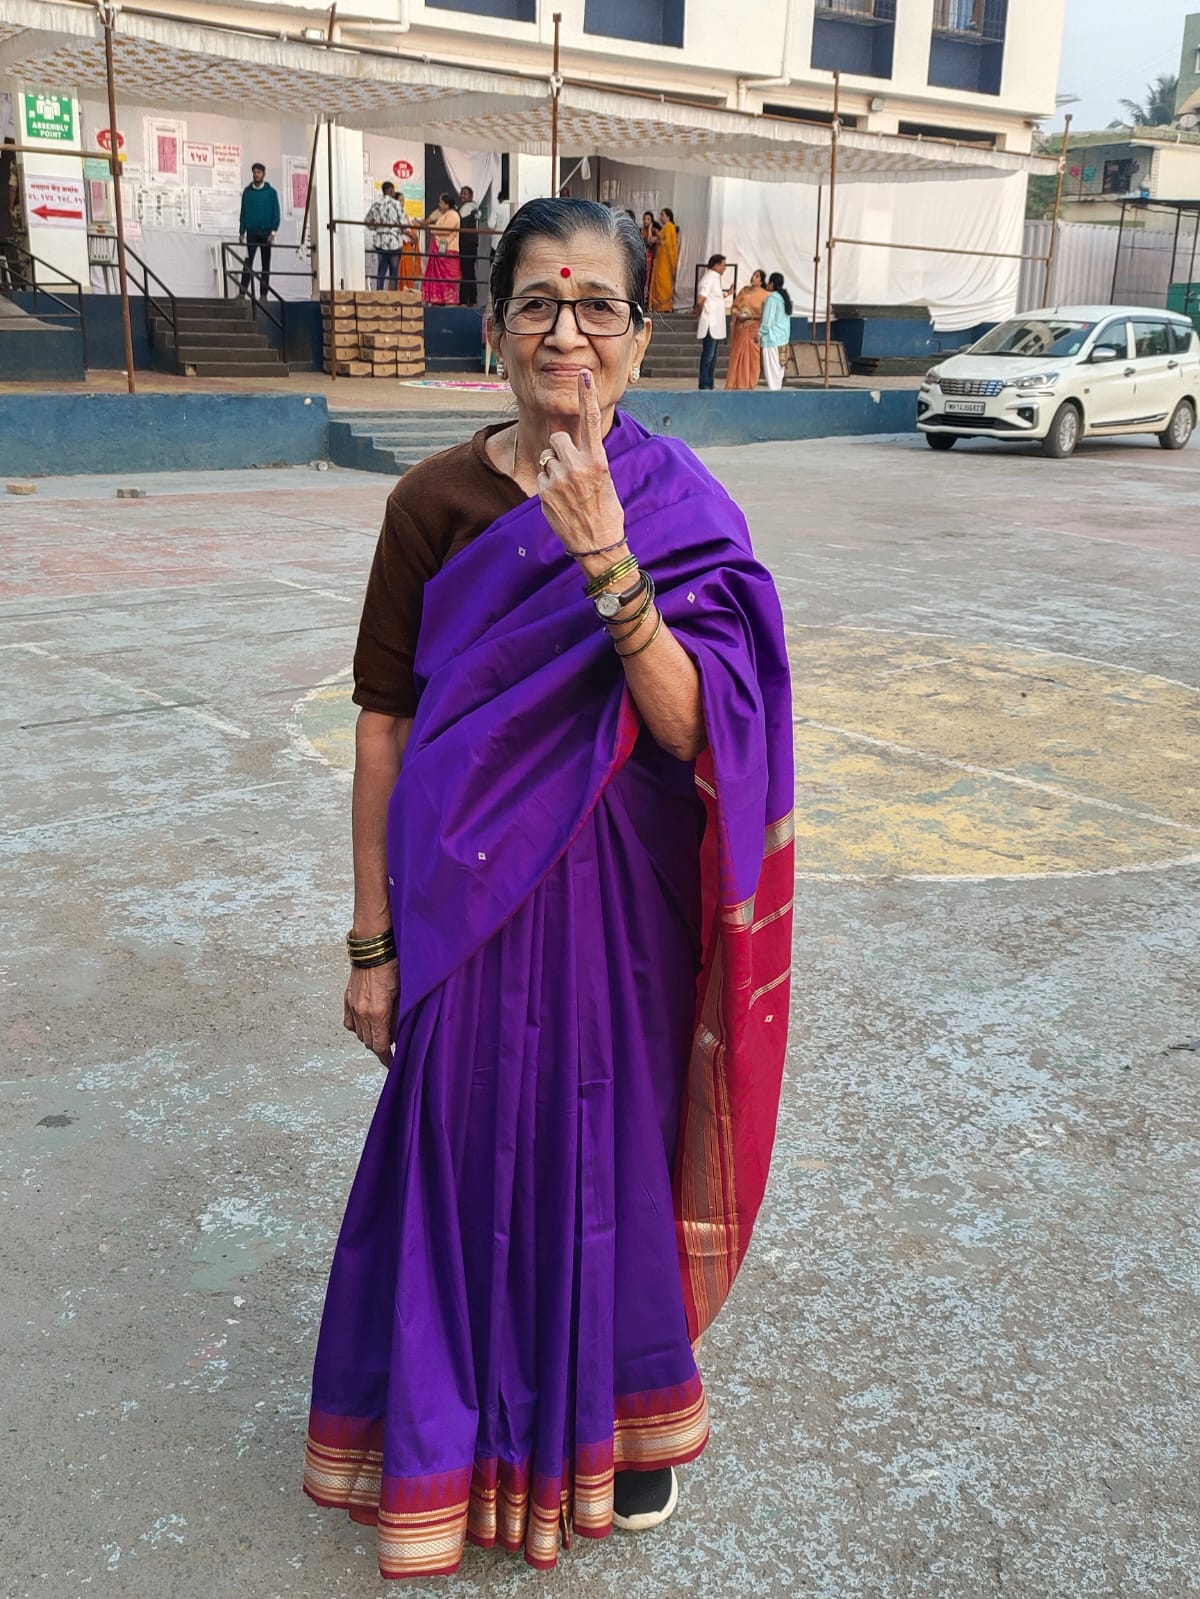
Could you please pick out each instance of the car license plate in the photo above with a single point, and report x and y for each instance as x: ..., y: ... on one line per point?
x: 965, y: 407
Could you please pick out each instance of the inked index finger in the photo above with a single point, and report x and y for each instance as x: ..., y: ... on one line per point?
x: 591, y: 434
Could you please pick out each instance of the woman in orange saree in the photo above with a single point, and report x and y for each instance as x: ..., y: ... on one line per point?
x: 745, y: 357
x: 666, y: 264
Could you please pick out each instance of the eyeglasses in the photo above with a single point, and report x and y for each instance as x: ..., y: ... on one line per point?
x: 596, y: 318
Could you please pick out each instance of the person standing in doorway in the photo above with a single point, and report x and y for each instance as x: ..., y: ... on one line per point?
x: 257, y: 227
x: 710, y: 308
x: 468, y: 245
x: 775, y: 330
x: 386, y: 218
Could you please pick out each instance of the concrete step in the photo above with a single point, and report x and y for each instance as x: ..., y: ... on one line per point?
x: 218, y: 341
x: 260, y: 367
x: 204, y: 324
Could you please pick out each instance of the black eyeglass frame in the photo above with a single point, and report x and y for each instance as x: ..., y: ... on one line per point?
x: 637, y: 314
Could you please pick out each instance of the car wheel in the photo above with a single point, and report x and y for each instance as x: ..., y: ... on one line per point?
x: 1064, y: 433
x: 941, y: 441
x: 1180, y: 428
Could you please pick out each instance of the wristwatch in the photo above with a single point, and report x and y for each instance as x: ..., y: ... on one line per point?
x: 608, y: 604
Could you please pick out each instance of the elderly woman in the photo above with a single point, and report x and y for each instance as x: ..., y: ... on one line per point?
x: 571, y: 946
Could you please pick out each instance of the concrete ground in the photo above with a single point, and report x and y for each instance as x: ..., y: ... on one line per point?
x: 962, y: 1360
x: 363, y: 393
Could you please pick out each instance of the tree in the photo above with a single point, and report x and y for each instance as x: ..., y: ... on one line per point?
x: 1158, y: 111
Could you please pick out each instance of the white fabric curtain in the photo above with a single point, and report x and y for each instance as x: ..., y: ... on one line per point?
x: 474, y: 170
x: 774, y: 226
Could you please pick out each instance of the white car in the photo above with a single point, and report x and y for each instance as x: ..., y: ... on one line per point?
x: 1059, y: 376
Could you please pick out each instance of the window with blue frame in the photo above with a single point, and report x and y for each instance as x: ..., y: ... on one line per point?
x: 856, y: 36
x: 644, y: 21
x: 505, y: 10
x: 967, y: 48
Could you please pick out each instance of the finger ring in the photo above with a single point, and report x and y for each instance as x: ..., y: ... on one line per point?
x: 545, y: 458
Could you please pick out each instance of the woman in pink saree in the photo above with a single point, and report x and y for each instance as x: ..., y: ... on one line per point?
x: 571, y: 947
x: 443, y: 272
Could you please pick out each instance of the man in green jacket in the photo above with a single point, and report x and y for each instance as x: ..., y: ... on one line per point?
x: 257, y: 227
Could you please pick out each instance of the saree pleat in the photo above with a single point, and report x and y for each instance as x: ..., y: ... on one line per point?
x: 490, y: 1352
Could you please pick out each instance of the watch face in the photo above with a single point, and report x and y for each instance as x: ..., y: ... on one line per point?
x: 608, y: 604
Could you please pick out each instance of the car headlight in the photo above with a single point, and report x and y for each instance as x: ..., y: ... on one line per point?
x: 1038, y: 380
x: 934, y: 375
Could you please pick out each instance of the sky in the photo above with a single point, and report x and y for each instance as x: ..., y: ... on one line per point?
x: 1112, y: 49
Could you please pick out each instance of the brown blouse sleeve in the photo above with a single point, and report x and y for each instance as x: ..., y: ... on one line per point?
x: 404, y: 562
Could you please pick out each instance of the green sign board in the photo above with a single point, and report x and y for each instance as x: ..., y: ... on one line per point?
x: 49, y: 116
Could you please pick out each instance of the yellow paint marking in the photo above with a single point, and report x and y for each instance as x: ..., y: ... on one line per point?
x: 925, y: 756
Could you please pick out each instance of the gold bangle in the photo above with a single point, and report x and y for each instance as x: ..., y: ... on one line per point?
x: 658, y: 629
x: 364, y: 948
x: 626, y: 565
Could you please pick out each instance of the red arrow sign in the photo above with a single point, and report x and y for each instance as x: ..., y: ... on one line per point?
x: 46, y: 211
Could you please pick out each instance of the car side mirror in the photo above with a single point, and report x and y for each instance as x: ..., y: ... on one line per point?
x: 1105, y: 352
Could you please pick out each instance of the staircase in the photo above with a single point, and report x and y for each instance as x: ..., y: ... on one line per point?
x: 392, y: 441
x: 215, y: 339
x: 674, y: 352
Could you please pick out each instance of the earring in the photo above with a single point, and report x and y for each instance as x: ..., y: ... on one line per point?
x: 635, y: 374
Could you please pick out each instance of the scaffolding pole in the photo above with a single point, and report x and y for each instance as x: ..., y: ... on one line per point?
x: 1054, y: 223
x: 108, y: 14
x: 833, y: 164
x: 555, y: 87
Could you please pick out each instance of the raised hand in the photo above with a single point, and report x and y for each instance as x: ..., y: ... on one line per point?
x: 574, y: 483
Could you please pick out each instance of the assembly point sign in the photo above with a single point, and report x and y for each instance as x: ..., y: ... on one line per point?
x: 49, y: 116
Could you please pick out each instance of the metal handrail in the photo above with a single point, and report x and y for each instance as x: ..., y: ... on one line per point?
x: 256, y: 303
x: 171, y: 317
x: 62, y: 281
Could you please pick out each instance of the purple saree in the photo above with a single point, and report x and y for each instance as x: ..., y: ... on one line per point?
x: 572, y: 1144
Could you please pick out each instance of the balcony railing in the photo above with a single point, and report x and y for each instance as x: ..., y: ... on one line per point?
x: 858, y: 10
x: 972, y: 19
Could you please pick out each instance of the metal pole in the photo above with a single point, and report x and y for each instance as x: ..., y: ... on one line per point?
x: 812, y: 326
x: 555, y: 86
x: 332, y: 238
x: 107, y: 14
x: 1062, y: 172
x: 833, y: 160
x: 1174, y: 251
x: 1112, y: 293
x: 1189, y: 297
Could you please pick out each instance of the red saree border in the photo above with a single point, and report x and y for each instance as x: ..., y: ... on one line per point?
x: 423, y: 1523
x: 735, y: 1075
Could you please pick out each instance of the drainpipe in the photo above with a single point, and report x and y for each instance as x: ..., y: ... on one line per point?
x: 785, y: 77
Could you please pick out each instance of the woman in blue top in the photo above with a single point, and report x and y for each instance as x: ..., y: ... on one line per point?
x: 775, y: 330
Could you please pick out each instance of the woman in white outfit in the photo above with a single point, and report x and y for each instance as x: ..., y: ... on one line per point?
x: 710, y: 308
x: 775, y: 330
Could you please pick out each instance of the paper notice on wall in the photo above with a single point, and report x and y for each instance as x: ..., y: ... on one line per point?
x: 164, y: 149
x: 8, y: 125
x: 297, y: 186
x: 227, y: 155
x: 163, y: 206
x: 216, y: 211
x: 227, y: 178
x: 133, y: 172
x: 198, y: 155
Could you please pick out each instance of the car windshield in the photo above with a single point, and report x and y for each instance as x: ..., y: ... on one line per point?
x: 1034, y: 336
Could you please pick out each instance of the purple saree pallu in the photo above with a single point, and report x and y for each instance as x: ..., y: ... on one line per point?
x: 515, y: 1289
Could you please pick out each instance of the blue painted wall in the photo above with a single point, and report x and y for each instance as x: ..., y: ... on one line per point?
x: 453, y: 338
x: 847, y: 44
x: 40, y: 355
x: 49, y: 434
x: 760, y: 417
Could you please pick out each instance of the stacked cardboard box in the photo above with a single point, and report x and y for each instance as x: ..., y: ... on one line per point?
x: 373, y: 333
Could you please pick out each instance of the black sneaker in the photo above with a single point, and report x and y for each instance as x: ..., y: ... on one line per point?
x: 644, y: 1499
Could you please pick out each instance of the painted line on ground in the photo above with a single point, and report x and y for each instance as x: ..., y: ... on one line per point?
x: 158, y: 701
x: 993, y: 773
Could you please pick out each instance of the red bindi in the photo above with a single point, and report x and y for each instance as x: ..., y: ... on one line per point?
x: 565, y: 272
